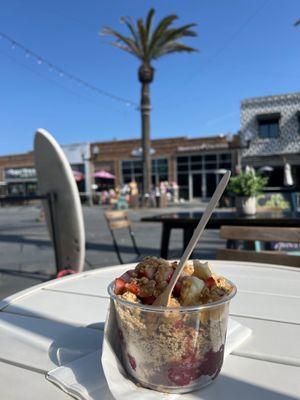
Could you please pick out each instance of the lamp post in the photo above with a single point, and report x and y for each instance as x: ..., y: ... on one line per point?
x: 87, y: 158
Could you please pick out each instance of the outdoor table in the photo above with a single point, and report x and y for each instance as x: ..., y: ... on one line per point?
x: 187, y: 221
x: 53, y: 323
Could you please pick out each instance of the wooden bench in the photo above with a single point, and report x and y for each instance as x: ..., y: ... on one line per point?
x: 261, y: 234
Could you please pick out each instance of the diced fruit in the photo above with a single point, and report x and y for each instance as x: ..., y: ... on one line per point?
x: 164, y: 274
x: 142, y: 274
x: 127, y: 275
x: 132, y: 361
x: 210, y: 282
x: 148, y: 300
x: 119, y: 286
x: 177, y: 288
x: 191, y: 290
x: 202, y: 269
x: 147, y: 272
x: 169, y: 275
x: 188, y: 268
x: 132, y: 287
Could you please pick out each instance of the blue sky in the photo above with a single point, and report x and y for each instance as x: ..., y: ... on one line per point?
x: 247, y: 49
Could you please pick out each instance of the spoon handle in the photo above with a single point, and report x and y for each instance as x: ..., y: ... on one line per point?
x: 163, y: 299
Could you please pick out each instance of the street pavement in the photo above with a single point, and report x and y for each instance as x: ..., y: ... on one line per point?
x: 26, y: 253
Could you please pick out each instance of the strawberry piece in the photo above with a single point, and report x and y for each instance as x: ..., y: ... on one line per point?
x: 119, y: 286
x: 177, y: 288
x: 132, y: 361
x: 164, y: 274
x: 210, y: 282
x: 127, y: 275
x: 147, y: 272
x: 148, y: 300
x: 132, y: 287
x: 142, y: 274
x: 169, y: 275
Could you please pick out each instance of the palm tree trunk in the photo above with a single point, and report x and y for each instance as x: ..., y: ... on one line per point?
x: 145, y: 114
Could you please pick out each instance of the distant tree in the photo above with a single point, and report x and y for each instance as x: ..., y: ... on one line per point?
x: 148, y: 43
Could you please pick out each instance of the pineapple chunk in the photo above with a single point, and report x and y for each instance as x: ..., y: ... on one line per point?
x: 191, y: 290
x: 202, y: 270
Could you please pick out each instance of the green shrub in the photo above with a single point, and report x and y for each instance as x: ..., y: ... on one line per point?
x: 247, y: 184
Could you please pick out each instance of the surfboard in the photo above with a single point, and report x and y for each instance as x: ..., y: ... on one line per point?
x: 64, y: 218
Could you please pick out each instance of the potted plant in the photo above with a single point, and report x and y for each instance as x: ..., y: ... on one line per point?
x: 245, y: 187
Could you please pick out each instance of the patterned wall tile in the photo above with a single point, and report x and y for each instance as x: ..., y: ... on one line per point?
x: 288, y: 141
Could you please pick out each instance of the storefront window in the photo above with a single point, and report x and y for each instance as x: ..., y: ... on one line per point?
x: 225, y: 161
x: 133, y: 170
x: 17, y: 189
x: 31, y: 188
x: 210, y: 161
x: 198, y: 175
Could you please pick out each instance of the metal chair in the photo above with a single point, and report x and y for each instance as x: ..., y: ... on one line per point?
x: 256, y: 235
x: 119, y: 220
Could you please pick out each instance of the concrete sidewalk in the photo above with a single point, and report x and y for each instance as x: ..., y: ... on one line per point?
x: 27, y: 258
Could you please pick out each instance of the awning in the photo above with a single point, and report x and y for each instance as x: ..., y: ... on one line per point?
x: 79, y: 176
x: 104, y: 175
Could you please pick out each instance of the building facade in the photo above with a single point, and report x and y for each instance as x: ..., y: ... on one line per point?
x: 269, y: 140
x: 196, y: 165
x: 270, y: 135
x: 18, y: 175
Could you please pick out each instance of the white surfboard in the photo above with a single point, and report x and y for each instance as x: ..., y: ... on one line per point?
x: 65, y: 223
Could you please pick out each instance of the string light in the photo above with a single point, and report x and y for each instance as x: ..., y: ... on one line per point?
x: 63, y: 73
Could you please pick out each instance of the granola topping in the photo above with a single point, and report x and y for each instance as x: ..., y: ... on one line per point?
x: 196, y: 285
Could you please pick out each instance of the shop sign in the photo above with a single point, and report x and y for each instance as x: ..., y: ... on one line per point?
x: 20, y: 173
x: 203, y: 146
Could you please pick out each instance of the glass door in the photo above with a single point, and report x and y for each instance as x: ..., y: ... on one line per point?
x: 197, y: 185
x: 211, y: 184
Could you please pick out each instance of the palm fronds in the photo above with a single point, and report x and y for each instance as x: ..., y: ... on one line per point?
x: 148, y: 43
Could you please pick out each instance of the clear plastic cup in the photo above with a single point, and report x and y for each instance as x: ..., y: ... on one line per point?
x: 173, y: 350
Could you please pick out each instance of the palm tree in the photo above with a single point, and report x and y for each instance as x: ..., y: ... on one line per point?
x: 148, y: 43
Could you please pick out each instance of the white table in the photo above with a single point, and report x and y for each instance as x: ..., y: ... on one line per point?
x: 56, y: 322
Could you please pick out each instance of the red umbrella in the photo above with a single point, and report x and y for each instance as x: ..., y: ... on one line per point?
x: 103, y: 174
x: 79, y: 176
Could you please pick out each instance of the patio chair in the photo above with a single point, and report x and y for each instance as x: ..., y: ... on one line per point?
x: 256, y: 236
x: 119, y: 220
